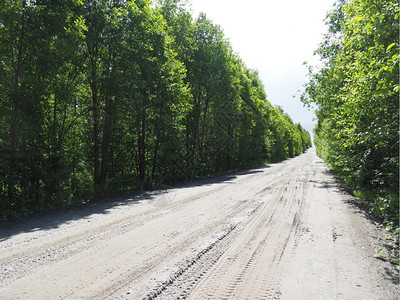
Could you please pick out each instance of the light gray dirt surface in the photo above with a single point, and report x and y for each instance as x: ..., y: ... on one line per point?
x: 283, y: 231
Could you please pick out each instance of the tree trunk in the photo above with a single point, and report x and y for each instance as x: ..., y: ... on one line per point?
x: 142, y: 147
x: 95, y: 104
x: 107, y: 140
x: 155, y: 157
x: 15, y: 98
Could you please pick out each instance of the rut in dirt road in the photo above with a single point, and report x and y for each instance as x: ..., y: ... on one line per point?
x: 283, y: 231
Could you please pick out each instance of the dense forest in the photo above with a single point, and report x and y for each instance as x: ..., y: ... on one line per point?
x: 103, y: 97
x: 356, y: 90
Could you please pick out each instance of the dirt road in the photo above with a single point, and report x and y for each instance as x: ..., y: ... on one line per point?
x: 284, y: 231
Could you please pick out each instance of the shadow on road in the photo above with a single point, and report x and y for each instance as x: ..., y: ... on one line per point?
x: 54, y: 219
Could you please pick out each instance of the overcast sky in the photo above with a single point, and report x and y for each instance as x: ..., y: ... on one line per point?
x: 274, y: 37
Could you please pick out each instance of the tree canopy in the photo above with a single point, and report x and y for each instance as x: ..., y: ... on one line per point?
x: 101, y: 97
x: 356, y: 90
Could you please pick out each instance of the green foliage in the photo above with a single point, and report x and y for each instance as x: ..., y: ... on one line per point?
x: 289, y: 139
x: 102, y: 97
x: 391, y: 252
x: 356, y: 90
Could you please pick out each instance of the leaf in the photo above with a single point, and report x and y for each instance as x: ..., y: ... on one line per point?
x: 390, y: 46
x: 359, y: 18
x: 379, y: 254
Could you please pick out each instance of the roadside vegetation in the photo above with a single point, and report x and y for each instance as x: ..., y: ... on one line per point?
x: 103, y: 97
x: 356, y: 91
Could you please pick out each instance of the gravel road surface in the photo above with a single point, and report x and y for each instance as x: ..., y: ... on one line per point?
x: 284, y: 231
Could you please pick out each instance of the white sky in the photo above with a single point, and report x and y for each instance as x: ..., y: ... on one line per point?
x: 274, y: 37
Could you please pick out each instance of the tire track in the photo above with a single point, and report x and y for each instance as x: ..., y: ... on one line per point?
x: 223, y: 226
x: 250, y: 270
x: 29, y: 260
x: 239, y: 236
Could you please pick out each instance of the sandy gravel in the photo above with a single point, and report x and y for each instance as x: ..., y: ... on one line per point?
x: 284, y: 231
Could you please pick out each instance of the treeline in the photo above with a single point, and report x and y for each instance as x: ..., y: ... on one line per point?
x: 357, y: 94
x: 99, y: 97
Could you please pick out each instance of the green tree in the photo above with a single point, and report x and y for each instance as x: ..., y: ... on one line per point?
x: 356, y: 90
x: 34, y: 112
x: 101, y: 97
